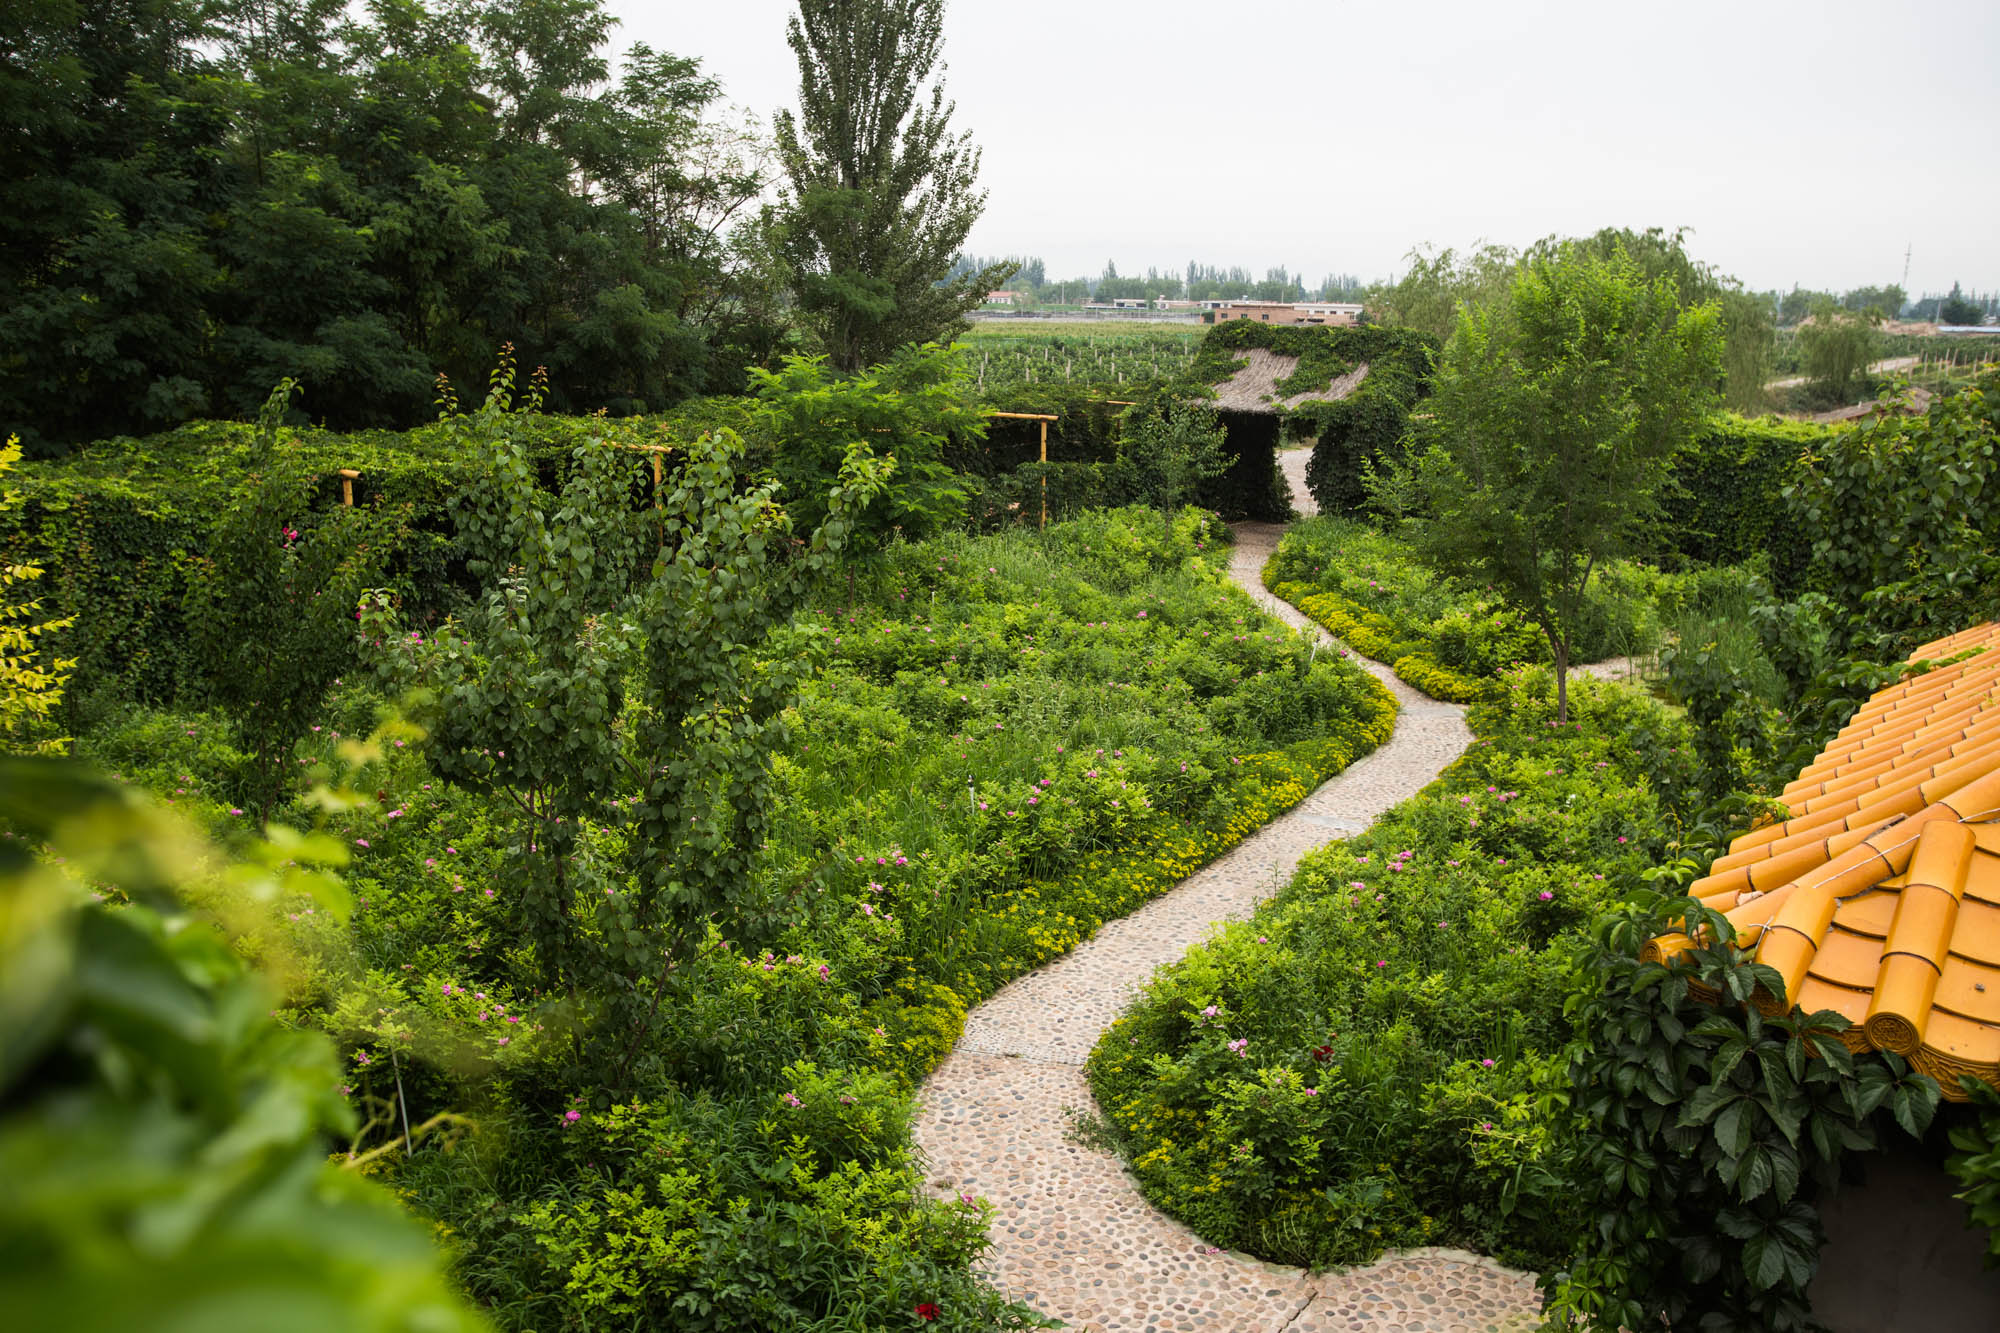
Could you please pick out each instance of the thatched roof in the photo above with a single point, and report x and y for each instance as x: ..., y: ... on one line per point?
x: 1915, y: 402
x: 1254, y: 387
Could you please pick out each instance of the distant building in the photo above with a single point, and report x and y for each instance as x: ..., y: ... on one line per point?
x: 1272, y: 312
x: 1129, y: 303
x: 1003, y: 298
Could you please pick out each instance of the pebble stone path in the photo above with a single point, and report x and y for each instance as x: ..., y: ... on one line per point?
x: 1073, y: 1236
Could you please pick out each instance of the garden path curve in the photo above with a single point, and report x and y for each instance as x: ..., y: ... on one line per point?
x: 1073, y: 1236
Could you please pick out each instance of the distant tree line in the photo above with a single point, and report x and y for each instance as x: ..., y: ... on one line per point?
x: 1200, y: 282
x: 1887, y: 302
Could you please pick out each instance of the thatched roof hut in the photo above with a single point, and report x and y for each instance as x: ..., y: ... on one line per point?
x: 1254, y: 386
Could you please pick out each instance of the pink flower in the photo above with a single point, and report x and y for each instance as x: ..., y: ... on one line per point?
x: 361, y: 842
x: 571, y: 1117
x: 1486, y: 1064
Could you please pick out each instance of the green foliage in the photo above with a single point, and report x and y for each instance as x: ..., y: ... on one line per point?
x: 1175, y: 452
x: 31, y: 677
x: 1976, y: 1164
x: 908, y: 411
x: 528, y: 701
x: 1902, y: 512
x: 879, y: 203
x: 213, y: 197
x: 1558, y: 416
x: 163, y: 1147
x: 1449, y: 638
x: 1124, y: 715
x: 271, y: 610
x: 1370, y: 1061
x: 1704, y: 1128
x: 1835, y: 347
x: 1442, y: 284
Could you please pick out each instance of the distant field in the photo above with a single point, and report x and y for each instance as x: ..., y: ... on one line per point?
x: 1083, y: 352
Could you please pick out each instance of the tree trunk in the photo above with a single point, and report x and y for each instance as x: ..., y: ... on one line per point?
x: 1561, y: 647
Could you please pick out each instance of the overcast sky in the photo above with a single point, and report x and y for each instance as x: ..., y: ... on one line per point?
x: 1800, y: 142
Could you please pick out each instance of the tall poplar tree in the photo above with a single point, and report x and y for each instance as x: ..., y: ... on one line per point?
x: 882, y: 191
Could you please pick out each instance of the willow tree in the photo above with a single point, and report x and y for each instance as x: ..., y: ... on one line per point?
x: 1558, y: 411
x: 881, y: 192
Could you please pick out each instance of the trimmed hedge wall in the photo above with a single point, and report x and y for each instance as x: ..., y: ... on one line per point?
x: 1726, y: 499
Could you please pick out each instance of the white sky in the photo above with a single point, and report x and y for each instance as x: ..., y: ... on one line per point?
x: 1802, y: 142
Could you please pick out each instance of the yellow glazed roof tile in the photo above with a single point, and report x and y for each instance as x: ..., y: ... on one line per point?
x: 1879, y: 897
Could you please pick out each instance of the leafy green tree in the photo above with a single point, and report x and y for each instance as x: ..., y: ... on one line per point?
x: 1557, y: 414
x: 1440, y: 284
x: 525, y: 694
x: 882, y: 192
x: 1956, y: 309
x: 1748, y: 339
x: 1886, y: 302
x: 1796, y: 304
x: 1835, y: 349
x: 1174, y: 452
x: 909, y: 410
x: 271, y: 611
x: 210, y: 197
x: 164, y: 1139
x: 582, y: 689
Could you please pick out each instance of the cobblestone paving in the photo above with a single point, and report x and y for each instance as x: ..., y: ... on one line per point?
x: 1073, y: 1235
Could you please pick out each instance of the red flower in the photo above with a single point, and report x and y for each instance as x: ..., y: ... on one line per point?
x: 927, y: 1311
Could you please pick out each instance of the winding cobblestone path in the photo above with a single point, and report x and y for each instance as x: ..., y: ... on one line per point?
x: 1073, y: 1236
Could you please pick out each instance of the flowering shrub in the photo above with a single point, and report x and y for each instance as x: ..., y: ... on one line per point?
x: 1364, y: 1063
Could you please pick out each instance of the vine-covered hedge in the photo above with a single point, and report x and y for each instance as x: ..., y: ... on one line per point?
x: 1090, y: 433
x: 1365, y: 425
x: 121, y: 523
x: 1726, y: 500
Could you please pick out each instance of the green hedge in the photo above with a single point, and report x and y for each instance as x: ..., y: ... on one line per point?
x: 122, y: 523
x: 1726, y: 502
x: 1089, y: 433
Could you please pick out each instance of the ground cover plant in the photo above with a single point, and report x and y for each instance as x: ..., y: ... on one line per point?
x: 1365, y: 1063
x: 1443, y: 635
x: 995, y: 744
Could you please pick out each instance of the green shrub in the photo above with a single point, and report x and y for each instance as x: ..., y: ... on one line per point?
x: 164, y: 1140
x: 1365, y: 1062
x: 1124, y: 715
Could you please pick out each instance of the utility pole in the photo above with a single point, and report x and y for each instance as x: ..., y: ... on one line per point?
x: 1906, y: 265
